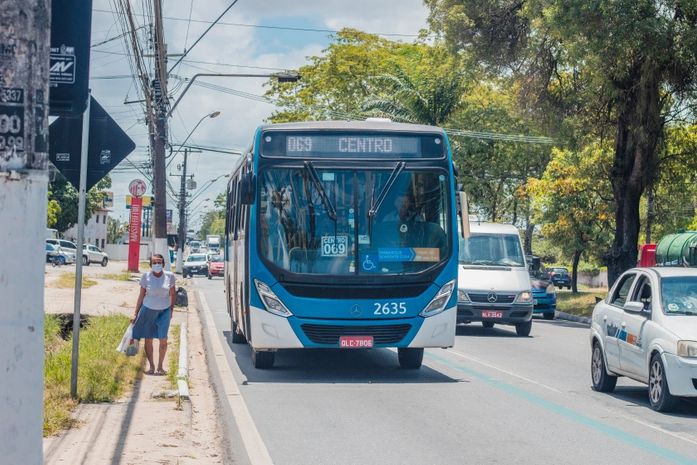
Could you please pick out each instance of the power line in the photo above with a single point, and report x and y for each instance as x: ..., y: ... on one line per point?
x: 275, y: 27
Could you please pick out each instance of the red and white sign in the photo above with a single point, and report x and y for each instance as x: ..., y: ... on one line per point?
x: 137, y: 188
x: 134, y: 233
x: 492, y: 314
x: 355, y: 342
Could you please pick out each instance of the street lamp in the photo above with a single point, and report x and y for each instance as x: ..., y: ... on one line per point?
x: 182, y: 195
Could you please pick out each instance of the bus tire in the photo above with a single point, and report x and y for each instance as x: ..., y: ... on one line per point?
x: 262, y: 360
x: 410, y: 357
x: 237, y: 336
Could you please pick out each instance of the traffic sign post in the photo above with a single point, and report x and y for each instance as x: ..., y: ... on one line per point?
x: 137, y: 188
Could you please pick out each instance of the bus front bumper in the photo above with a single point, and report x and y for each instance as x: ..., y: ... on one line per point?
x: 269, y: 331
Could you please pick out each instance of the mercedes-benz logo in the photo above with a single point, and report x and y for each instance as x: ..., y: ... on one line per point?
x: 356, y: 310
x: 492, y: 297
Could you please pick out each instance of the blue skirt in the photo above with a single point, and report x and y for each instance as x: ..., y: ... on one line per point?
x: 152, y: 324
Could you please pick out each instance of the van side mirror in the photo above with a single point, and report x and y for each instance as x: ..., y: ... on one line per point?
x: 633, y: 307
x: 247, y: 189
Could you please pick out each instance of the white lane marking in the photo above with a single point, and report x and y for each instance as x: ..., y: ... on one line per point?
x: 256, y: 449
x: 493, y: 367
x: 658, y: 428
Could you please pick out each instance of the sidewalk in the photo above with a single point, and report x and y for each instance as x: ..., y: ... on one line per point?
x: 139, y: 428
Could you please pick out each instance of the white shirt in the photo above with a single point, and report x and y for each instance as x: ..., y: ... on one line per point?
x: 157, y: 289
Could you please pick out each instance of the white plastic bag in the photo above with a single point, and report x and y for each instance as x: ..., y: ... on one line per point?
x: 126, y: 339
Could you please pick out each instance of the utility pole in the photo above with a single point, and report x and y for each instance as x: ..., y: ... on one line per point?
x: 158, y: 139
x: 182, y: 215
x: 24, y: 79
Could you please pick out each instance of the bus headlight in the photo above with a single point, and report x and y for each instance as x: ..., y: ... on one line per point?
x: 271, y: 301
x: 462, y: 296
x: 524, y: 297
x: 438, y: 303
x: 687, y: 349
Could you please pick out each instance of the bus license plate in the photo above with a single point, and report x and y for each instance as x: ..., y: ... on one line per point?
x: 492, y: 314
x: 355, y: 342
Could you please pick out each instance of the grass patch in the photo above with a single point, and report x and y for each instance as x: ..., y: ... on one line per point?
x: 67, y: 281
x: 103, y: 373
x: 123, y: 276
x: 581, y: 304
x: 173, y: 365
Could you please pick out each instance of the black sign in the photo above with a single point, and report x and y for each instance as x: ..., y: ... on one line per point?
x: 354, y: 144
x: 108, y: 145
x: 71, y: 23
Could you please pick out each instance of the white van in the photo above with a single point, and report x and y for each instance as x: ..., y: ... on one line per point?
x: 493, y: 281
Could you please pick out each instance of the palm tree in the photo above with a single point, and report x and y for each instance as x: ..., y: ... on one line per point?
x: 429, y: 100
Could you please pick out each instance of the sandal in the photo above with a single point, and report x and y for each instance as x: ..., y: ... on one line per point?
x: 150, y: 372
x: 161, y: 372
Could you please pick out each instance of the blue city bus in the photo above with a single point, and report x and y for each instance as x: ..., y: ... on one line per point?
x: 342, y: 235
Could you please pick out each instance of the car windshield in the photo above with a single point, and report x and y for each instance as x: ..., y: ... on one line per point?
x: 216, y: 259
x: 491, y: 250
x: 679, y: 295
x: 318, y: 222
x: 196, y: 258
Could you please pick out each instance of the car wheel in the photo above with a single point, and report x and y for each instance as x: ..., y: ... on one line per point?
x: 410, y: 357
x: 210, y: 277
x: 488, y: 324
x: 523, y: 329
x: 85, y: 261
x: 660, y: 397
x: 548, y: 316
x: 263, y: 360
x: 237, y: 336
x: 105, y: 261
x: 602, y: 381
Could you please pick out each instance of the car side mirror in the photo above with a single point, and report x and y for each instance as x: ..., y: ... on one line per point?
x: 634, y: 307
x: 598, y: 299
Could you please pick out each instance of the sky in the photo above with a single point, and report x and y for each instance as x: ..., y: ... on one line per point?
x: 228, y: 48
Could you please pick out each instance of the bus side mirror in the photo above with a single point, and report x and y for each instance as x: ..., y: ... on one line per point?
x: 247, y: 188
x: 464, y: 215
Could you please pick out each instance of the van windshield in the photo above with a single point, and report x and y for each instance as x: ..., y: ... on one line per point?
x: 491, y: 250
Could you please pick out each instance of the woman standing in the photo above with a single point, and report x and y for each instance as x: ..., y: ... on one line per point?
x: 154, y: 311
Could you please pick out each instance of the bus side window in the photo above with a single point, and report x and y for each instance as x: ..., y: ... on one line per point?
x: 237, y: 208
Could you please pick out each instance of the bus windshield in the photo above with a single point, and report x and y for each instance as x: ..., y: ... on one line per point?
x: 318, y: 223
x: 491, y: 250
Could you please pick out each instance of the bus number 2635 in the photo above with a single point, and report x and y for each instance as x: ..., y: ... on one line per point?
x: 390, y: 308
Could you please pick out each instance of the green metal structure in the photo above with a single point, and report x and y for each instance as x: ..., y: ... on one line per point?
x: 677, y: 250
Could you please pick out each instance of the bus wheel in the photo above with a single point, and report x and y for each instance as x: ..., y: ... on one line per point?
x: 237, y: 336
x: 262, y: 359
x: 410, y: 357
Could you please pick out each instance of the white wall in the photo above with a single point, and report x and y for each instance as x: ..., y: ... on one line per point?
x: 95, y: 229
x: 120, y: 251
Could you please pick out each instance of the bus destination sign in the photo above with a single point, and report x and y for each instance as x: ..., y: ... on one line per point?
x: 347, y: 145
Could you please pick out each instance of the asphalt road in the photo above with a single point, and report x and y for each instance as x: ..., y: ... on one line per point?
x: 494, y: 398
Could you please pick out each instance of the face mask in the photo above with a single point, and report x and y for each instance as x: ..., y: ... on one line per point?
x: 158, y: 267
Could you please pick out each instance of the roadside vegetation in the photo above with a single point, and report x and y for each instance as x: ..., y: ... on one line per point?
x: 173, y: 365
x: 67, y: 281
x: 580, y: 303
x: 104, y: 373
x: 123, y: 276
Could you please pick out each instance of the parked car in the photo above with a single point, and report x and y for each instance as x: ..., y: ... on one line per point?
x: 216, y: 266
x: 70, y: 248
x: 194, y: 247
x: 95, y: 255
x: 560, y: 277
x: 646, y: 329
x: 56, y: 255
x: 544, y: 296
x: 195, y: 263
x: 493, y: 281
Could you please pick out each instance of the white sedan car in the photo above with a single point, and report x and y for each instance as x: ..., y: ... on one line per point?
x: 646, y: 329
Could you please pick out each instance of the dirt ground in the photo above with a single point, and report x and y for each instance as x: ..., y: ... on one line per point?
x: 140, y: 428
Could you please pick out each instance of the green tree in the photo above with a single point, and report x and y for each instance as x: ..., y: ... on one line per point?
x: 571, y: 200
x: 52, y: 211
x: 115, y: 230
x: 639, y: 57
x: 62, y: 192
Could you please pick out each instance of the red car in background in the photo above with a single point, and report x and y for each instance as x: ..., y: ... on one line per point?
x: 216, y: 266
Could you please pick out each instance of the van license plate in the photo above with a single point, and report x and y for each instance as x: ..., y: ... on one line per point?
x: 355, y: 342
x: 492, y: 314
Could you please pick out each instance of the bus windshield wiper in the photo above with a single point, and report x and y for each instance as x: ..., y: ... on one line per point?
x: 331, y: 211
x: 375, y: 205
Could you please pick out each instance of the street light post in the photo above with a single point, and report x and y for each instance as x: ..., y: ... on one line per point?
x: 182, y: 197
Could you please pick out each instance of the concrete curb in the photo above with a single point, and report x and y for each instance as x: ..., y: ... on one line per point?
x: 183, y: 370
x: 575, y: 318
